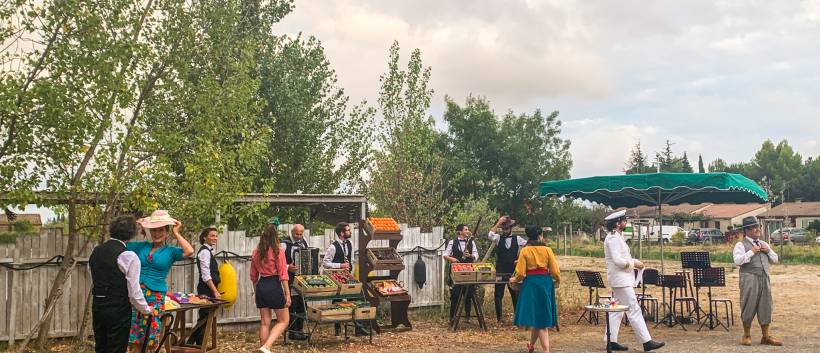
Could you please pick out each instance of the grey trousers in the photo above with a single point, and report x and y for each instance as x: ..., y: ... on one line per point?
x: 755, y: 298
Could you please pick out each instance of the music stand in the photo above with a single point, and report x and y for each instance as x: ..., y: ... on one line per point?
x: 695, y: 260
x: 592, y: 280
x: 710, y: 277
x: 671, y: 282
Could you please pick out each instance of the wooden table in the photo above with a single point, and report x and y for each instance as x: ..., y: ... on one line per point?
x: 175, y: 334
x: 462, y: 298
x: 606, y: 310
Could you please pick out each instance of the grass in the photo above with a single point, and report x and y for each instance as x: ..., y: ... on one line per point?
x: 720, y: 253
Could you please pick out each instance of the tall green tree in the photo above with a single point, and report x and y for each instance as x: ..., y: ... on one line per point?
x: 777, y: 166
x: 407, y: 180
x: 701, y: 169
x: 638, y: 162
x: 807, y: 185
x: 685, y: 166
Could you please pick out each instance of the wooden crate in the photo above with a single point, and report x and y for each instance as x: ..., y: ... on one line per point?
x: 365, y: 313
x: 371, y: 254
x: 319, y: 314
x: 311, y: 292
x: 344, y: 289
x: 487, y: 276
x: 464, y: 276
x: 381, y: 234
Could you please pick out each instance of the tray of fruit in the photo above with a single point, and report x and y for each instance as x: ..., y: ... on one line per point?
x: 344, y: 281
x: 462, y: 272
x: 315, y: 285
x: 382, y: 228
x: 384, y: 256
x: 484, y: 271
x: 388, y: 287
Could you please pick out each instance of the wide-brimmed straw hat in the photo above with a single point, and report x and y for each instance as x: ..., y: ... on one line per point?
x: 157, y: 219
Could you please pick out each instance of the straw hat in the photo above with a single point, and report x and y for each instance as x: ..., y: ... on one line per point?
x: 157, y: 219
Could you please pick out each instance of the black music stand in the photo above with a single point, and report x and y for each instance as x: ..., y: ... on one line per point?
x: 592, y: 280
x: 710, y: 277
x: 695, y: 260
x: 671, y: 282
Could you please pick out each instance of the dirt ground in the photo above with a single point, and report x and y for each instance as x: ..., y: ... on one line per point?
x: 797, y: 307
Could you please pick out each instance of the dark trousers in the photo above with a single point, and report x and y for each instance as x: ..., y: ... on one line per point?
x: 499, y: 298
x: 198, y: 335
x: 112, y: 322
x: 297, y: 306
x: 454, y: 293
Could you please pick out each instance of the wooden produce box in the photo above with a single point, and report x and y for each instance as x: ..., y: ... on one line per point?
x: 329, y: 313
x: 364, y: 313
x: 344, y: 281
x: 384, y: 256
x: 485, y: 272
x: 388, y: 287
x: 463, y: 272
x: 308, y: 286
x: 382, y: 228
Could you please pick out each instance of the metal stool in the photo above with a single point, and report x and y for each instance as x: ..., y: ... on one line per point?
x: 728, y: 308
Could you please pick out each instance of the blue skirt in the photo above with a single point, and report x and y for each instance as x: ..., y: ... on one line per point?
x: 536, y: 304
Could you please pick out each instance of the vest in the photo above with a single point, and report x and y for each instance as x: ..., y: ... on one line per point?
x: 107, y: 278
x: 340, y: 257
x: 289, y: 251
x: 201, y: 286
x: 505, y: 257
x: 758, y: 264
x: 458, y: 252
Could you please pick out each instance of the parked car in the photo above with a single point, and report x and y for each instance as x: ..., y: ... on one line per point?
x: 817, y: 239
x: 705, y: 235
x: 790, y: 235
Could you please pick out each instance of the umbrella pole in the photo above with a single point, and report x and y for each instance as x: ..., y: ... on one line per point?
x: 660, y: 240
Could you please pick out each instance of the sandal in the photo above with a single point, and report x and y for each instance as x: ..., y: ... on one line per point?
x: 530, y: 348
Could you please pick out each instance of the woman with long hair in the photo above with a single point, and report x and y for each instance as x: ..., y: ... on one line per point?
x: 537, y: 267
x: 269, y: 274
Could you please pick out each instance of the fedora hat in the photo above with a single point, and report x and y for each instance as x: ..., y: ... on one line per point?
x: 157, y: 219
x: 750, y: 221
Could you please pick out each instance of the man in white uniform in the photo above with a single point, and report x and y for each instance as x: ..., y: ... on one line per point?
x: 621, y: 277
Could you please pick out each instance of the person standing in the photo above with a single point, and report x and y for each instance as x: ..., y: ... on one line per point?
x: 754, y: 256
x: 462, y: 249
x: 208, y: 277
x: 292, y: 245
x: 115, y: 274
x: 621, y: 278
x: 339, y: 255
x: 537, y: 268
x: 269, y: 275
x: 507, y: 248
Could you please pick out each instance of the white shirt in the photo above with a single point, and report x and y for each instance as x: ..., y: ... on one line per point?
x: 330, y: 253
x: 495, y: 238
x: 619, y: 262
x: 205, y: 263
x: 741, y: 256
x: 463, y: 245
x: 129, y: 264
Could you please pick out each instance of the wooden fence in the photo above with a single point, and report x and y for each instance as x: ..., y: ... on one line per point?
x: 23, y: 293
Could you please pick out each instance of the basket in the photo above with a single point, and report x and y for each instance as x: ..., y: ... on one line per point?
x: 328, y: 313
x: 300, y: 283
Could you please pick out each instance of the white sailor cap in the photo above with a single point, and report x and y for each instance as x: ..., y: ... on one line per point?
x: 616, y: 215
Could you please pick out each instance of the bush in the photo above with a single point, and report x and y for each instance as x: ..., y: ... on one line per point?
x: 8, y: 238
x: 678, y: 238
x: 22, y: 226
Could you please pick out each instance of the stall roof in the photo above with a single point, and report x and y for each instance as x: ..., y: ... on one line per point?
x: 330, y: 208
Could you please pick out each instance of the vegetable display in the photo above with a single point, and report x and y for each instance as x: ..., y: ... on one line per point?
x: 388, y: 287
x: 383, y: 254
x: 315, y: 281
x: 462, y: 267
x: 343, y: 277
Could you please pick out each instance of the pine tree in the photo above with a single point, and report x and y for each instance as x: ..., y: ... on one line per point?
x: 700, y: 165
x: 637, y: 162
x: 686, y: 167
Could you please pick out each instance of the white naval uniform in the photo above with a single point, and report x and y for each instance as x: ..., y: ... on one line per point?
x: 621, y: 278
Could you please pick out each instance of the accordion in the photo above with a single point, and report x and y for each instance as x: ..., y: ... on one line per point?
x: 306, y: 261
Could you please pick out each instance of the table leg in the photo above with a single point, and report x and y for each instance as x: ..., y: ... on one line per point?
x: 478, y: 311
x: 459, y: 307
x: 608, y: 349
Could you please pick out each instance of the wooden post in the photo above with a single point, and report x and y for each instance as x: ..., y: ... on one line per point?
x: 11, y: 309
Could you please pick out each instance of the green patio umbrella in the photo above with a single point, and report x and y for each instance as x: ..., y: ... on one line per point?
x: 657, y: 189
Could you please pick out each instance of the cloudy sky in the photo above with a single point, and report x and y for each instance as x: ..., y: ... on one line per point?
x: 715, y: 77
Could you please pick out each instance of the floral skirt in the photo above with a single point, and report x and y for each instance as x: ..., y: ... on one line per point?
x: 139, y: 322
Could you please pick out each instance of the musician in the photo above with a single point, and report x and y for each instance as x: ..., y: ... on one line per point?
x: 339, y: 255
x: 208, y: 278
x: 460, y: 249
x: 292, y: 244
x: 507, y: 248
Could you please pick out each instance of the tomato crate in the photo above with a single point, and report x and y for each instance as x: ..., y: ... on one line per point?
x: 344, y: 281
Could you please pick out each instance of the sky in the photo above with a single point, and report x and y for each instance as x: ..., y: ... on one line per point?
x: 716, y: 78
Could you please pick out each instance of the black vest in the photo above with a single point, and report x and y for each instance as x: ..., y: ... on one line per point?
x: 289, y: 245
x: 505, y: 257
x: 458, y: 252
x: 214, y: 271
x: 340, y: 257
x: 107, y: 279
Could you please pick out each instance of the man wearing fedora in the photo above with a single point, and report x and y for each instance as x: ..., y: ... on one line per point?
x: 754, y: 256
x: 619, y: 272
x: 506, y: 254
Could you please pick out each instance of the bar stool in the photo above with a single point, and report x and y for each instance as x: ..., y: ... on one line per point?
x: 728, y: 308
x: 649, y: 304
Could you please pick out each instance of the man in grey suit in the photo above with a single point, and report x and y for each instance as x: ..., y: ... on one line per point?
x: 754, y: 256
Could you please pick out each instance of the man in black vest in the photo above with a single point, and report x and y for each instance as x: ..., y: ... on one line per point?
x: 339, y: 255
x: 506, y: 254
x: 208, y: 277
x: 115, y: 274
x: 460, y: 249
x: 292, y: 245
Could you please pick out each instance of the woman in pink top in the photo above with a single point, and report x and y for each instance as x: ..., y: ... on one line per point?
x: 269, y: 274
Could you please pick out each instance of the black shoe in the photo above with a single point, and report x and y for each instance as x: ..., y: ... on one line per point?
x: 652, y: 345
x: 362, y: 332
x: 615, y: 346
x: 297, y: 336
x: 337, y: 331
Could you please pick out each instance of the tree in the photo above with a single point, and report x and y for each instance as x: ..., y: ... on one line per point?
x: 638, y: 162
x: 778, y: 166
x: 685, y: 166
x: 407, y: 181
x: 700, y: 165
x: 667, y: 159
x: 807, y: 185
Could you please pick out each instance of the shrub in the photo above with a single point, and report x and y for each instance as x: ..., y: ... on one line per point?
x: 678, y: 238
x: 22, y: 226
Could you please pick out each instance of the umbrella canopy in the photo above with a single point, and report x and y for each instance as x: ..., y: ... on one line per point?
x: 654, y: 189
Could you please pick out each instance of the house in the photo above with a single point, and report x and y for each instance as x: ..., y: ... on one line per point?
x: 797, y: 214
x: 33, y: 218
x: 705, y: 215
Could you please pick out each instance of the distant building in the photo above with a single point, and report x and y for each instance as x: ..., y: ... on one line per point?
x: 705, y: 215
x: 796, y: 214
x: 33, y: 218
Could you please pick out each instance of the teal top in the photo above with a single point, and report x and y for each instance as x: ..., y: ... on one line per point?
x: 153, y: 272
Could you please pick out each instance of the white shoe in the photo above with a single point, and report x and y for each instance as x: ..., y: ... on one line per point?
x: 264, y: 350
